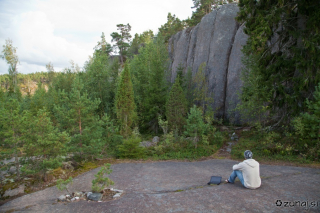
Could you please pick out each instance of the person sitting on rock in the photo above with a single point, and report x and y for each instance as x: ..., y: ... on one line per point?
x: 247, y: 171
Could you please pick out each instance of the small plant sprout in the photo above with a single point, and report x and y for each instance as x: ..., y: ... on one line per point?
x: 63, y: 184
x: 99, y: 183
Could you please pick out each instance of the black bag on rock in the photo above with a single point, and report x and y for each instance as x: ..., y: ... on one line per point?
x: 215, y: 180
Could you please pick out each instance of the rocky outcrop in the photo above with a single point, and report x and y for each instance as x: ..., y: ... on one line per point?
x: 216, y: 41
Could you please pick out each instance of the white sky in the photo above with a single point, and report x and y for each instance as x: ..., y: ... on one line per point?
x: 58, y: 31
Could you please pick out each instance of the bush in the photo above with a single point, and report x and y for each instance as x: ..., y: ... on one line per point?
x: 307, y: 128
x: 131, y: 149
x: 63, y: 184
x: 99, y: 183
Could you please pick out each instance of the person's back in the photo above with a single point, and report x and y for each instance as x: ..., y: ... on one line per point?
x: 251, y: 173
x: 247, y: 171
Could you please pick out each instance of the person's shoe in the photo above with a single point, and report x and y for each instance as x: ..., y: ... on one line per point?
x: 227, y: 181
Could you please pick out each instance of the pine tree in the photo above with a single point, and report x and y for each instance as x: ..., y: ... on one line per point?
x: 122, y: 40
x: 176, y: 107
x: 75, y: 113
x: 45, y: 140
x: 38, y: 100
x: 125, y: 106
x: 12, y: 127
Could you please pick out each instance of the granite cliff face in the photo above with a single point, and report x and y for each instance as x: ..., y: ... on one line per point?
x: 217, y: 40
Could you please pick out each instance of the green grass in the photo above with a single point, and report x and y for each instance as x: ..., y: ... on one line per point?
x: 266, y: 148
x: 190, y: 154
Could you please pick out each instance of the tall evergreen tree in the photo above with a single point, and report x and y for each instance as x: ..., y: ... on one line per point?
x: 201, y: 89
x: 149, y: 72
x: 103, y: 47
x: 97, y: 82
x: 12, y: 127
x: 124, y: 103
x: 45, y: 140
x: 75, y: 113
x: 122, y: 40
x: 172, y: 26
x: 176, y: 107
x: 284, y: 45
x: 38, y: 100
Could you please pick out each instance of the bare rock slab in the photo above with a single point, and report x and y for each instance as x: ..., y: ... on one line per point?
x: 14, y: 192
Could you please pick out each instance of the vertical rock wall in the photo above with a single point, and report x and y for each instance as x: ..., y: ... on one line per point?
x: 217, y: 40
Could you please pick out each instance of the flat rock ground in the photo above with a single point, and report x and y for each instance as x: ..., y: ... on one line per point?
x: 173, y: 186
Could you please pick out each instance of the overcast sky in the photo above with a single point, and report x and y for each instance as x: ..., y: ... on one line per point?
x: 58, y: 31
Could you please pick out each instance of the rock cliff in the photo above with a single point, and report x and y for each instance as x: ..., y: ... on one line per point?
x: 217, y: 40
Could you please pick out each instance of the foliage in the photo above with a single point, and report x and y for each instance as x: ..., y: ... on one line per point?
x: 125, y: 106
x: 150, y: 87
x: 75, y: 114
x: 203, y: 7
x: 51, y: 72
x: 103, y: 47
x: 12, y: 127
x: 140, y: 41
x: 283, y: 40
x: 255, y: 94
x: 38, y: 100
x: 97, y: 79
x: 10, y: 55
x: 44, y: 144
x: 163, y: 124
x: 63, y: 184
x: 172, y: 26
x: 122, y: 40
x: 176, y: 107
x: 130, y: 148
x: 195, y: 126
x: 99, y: 183
x: 201, y: 89
x: 307, y: 125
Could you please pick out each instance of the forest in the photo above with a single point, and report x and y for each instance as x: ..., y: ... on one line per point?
x: 122, y: 96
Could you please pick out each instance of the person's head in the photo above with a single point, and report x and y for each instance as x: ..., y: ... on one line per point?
x: 248, y: 154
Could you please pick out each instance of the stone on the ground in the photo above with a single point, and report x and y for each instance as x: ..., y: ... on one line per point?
x: 234, y: 137
x: 155, y: 139
x: 224, y: 128
x: 116, y: 195
x: 95, y: 196
x: 12, y: 170
x: 62, y: 198
x: 146, y: 144
x: 14, y: 192
x: 67, y: 165
x: 117, y: 190
x: 78, y: 194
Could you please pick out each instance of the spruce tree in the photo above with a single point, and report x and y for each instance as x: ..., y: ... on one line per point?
x: 284, y: 45
x: 124, y: 103
x: 195, y: 127
x: 96, y: 80
x: 201, y: 89
x: 176, y: 107
x: 150, y: 86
